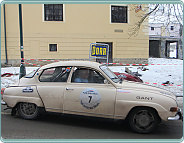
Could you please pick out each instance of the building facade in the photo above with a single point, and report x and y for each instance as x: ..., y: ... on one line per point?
x: 166, y: 41
x: 159, y: 29
x: 65, y: 31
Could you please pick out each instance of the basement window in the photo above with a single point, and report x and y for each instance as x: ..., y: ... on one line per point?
x: 52, y: 47
x: 53, y: 12
x: 119, y: 14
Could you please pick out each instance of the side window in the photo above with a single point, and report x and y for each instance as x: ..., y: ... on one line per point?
x: 119, y: 14
x: 53, y: 12
x: 58, y: 74
x: 84, y: 75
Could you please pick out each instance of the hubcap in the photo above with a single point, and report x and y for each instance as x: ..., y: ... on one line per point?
x: 28, y: 108
x: 143, y: 119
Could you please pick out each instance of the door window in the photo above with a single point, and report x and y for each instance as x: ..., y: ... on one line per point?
x: 84, y: 75
x: 57, y: 74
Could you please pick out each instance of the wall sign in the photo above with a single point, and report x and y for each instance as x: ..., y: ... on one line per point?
x: 99, y: 51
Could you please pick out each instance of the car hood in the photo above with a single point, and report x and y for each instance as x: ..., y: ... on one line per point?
x: 135, y: 86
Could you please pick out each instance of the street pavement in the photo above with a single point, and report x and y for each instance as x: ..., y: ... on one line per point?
x: 55, y: 126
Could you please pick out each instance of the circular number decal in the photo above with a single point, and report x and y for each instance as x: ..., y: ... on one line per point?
x: 90, y: 98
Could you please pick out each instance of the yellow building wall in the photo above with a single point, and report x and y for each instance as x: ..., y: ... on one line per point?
x: 83, y: 24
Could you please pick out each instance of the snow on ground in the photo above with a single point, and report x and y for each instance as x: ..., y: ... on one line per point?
x: 155, y: 74
x: 6, y: 81
x: 169, y: 70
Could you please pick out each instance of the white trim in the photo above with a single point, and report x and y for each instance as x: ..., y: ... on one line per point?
x: 43, y: 16
x: 128, y: 13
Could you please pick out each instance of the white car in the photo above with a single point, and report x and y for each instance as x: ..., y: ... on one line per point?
x: 90, y: 89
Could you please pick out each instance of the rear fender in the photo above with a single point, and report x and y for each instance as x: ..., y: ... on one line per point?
x: 15, y: 94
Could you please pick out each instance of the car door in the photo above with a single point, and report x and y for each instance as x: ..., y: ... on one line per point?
x: 52, y: 86
x: 90, y: 95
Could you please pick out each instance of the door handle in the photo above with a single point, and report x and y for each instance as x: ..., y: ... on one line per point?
x: 69, y: 89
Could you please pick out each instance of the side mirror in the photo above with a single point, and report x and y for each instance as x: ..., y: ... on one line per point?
x: 121, y: 76
x: 106, y: 81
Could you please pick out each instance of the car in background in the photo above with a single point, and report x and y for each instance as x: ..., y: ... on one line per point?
x: 129, y: 77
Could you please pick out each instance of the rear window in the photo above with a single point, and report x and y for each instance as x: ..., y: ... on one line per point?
x: 31, y: 74
x: 57, y: 74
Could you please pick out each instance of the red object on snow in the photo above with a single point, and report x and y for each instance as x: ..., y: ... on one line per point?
x: 6, y: 74
x: 2, y: 91
x: 129, y: 77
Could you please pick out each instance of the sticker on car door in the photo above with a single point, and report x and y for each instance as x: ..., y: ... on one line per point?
x: 90, y: 98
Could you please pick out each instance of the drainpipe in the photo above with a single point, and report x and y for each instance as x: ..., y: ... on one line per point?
x: 22, y: 66
x: 5, y: 36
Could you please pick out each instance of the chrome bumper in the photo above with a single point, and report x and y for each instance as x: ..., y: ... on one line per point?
x: 3, y: 103
x: 178, y: 116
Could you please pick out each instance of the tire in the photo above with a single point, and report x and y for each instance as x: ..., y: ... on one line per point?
x: 143, y: 120
x: 28, y: 110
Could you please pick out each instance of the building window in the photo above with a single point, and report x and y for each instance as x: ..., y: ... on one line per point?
x: 52, y: 47
x: 119, y: 14
x: 152, y: 28
x: 53, y: 12
x: 172, y: 27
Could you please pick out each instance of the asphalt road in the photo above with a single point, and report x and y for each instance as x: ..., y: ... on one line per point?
x: 54, y: 126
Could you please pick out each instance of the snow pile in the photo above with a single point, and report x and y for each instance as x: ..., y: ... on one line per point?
x: 6, y: 81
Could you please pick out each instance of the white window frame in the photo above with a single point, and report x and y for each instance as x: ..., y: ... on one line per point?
x: 43, y: 15
x: 128, y: 13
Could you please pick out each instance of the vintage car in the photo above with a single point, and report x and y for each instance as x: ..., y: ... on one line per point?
x: 90, y: 89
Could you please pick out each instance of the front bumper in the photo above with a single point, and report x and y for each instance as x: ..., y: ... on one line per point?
x: 178, y: 116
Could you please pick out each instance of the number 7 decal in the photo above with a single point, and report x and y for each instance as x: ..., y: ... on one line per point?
x: 90, y: 97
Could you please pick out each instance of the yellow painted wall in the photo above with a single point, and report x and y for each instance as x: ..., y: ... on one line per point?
x: 83, y: 24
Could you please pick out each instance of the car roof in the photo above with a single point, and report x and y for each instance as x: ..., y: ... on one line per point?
x: 72, y: 63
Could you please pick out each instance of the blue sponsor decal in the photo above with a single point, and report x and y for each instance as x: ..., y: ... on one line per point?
x: 27, y: 89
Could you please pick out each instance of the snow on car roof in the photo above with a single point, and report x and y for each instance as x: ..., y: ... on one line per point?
x: 72, y: 63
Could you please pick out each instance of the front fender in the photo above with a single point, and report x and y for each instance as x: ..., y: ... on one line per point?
x: 123, y: 107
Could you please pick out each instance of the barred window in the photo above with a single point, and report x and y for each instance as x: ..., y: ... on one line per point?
x: 119, y: 14
x: 53, y: 47
x: 53, y: 12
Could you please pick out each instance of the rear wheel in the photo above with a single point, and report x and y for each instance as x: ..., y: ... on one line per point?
x: 28, y: 110
x: 143, y: 120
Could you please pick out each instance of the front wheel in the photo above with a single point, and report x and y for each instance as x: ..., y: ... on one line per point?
x: 28, y: 110
x: 143, y: 120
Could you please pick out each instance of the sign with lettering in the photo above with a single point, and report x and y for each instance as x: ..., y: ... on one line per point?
x: 98, y: 51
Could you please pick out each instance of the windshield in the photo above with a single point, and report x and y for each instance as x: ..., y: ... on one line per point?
x: 109, y: 73
x: 31, y: 74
